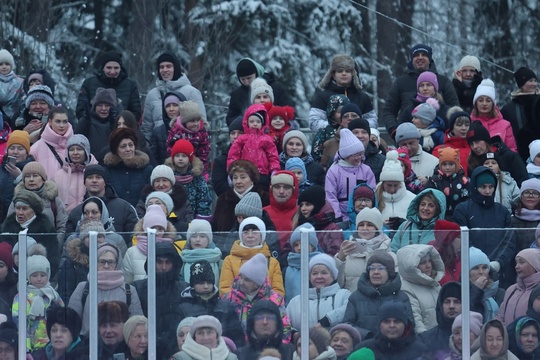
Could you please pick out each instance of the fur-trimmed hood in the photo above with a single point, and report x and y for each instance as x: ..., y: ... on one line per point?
x: 328, y: 80
x: 197, y: 166
x: 73, y: 250
x: 170, y: 232
x: 138, y: 161
x: 49, y: 191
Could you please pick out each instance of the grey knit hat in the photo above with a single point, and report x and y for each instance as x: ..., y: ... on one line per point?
x: 406, y: 131
x: 188, y: 321
x: 6, y: 57
x: 295, y: 134
x: 164, y: 197
x: 105, y: 96
x: 199, y: 226
x: 205, y: 321
x: 90, y: 225
x: 384, y: 258
x: 260, y: 86
x: 82, y: 141
x: 39, y: 92
x: 326, y: 260
x: 189, y: 111
x: 37, y: 263
x: 162, y: 171
x: 249, y: 205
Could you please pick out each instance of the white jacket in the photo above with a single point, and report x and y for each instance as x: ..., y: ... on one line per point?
x: 423, y: 163
x: 133, y: 265
x: 396, y: 205
x: 510, y: 191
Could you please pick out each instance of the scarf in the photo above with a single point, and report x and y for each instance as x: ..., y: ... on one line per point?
x: 142, y: 243
x: 491, y: 308
x: 27, y: 223
x: 77, y: 167
x: 201, y: 352
x: 191, y: 256
x: 533, y: 169
x: 37, y: 303
x: 528, y: 215
x: 110, y: 279
x: 240, y: 196
x: 422, y: 98
x: 320, y: 220
x: 184, y: 179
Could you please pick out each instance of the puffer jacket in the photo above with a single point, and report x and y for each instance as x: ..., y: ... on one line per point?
x: 414, y: 230
x: 70, y: 181
x: 254, y: 145
x: 396, y: 205
x: 97, y: 130
x: 458, y: 143
x: 329, y: 302
x: 498, y: 126
x: 44, y: 155
x: 423, y: 163
x: 507, y: 192
x: 528, y: 221
x: 423, y: 290
x: 11, y: 96
x: 516, y: 298
x: 199, y: 139
x: 74, y: 269
x: 455, y: 187
x: 374, y: 159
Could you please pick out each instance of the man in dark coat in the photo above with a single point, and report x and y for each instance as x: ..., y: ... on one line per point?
x: 264, y: 330
x: 395, y: 338
x: 448, y: 308
x: 404, y: 89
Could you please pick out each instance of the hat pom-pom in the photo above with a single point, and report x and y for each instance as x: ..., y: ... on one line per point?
x: 289, y: 110
x: 392, y: 155
x: 434, y: 103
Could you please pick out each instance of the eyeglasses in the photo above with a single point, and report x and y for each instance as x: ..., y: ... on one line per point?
x: 364, y: 200
x: 267, y: 317
x: 531, y: 193
x: 107, y: 262
x: 377, y: 268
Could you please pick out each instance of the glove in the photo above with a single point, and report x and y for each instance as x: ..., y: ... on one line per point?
x: 495, y: 265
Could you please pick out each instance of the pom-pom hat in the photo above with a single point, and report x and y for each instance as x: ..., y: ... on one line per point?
x: 486, y: 88
x: 392, y: 170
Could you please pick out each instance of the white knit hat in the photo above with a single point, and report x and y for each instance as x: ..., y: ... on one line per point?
x: 260, y: 86
x: 373, y: 216
x: 469, y: 60
x: 37, y: 263
x: 392, y: 170
x: 326, y: 260
x: 486, y: 88
x: 164, y: 197
x: 349, y: 144
x: 199, y: 226
x: 253, y: 221
x: 534, y: 148
x: 5, y: 56
x: 162, y: 171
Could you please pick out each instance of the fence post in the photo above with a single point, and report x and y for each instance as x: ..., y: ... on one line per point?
x: 465, y: 295
x: 151, y: 311
x: 304, y: 290
x: 92, y: 294
x: 23, y: 250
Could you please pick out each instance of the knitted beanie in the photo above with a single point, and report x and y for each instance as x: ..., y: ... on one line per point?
x: 105, y: 57
x: 34, y: 167
x: 112, y: 311
x: 377, y: 133
x: 19, y: 137
x: 491, y: 156
x: 534, y: 148
x: 403, y: 156
x: 326, y: 260
x: 448, y: 290
x: 162, y: 171
x: 203, y: 321
x: 184, y: 147
x: 478, y: 132
x: 154, y: 217
x: 82, y: 141
x: 6, y: 57
x: 428, y: 76
x: 296, y: 163
x: 90, y: 225
x: 451, y: 155
x: 349, y: 144
x: 350, y: 107
x: 446, y: 231
x: 486, y: 88
x: 39, y: 92
x: 486, y: 177
x: 120, y: 134
x: 359, y: 123
x: 29, y: 243
x: 236, y: 125
x: 477, y: 257
x: 105, y: 96
x: 64, y: 316
x: 364, y: 191
x: 531, y: 256
x: 255, y: 221
x: 245, y: 67
x: 282, y: 178
x: 362, y: 354
x: 372, y: 215
x: 171, y: 99
x: 113, y: 249
x: 163, y: 197
x: 201, y: 272
x: 469, y: 60
x: 391, y: 170
x: 422, y: 48
x: 522, y: 75
x: 334, y: 103
x: 187, y: 321
x: 320, y: 337
x: 286, y: 112
x: 475, y: 322
x: 29, y: 198
x: 95, y: 169
x: 295, y: 134
x: 427, y: 111
x: 384, y: 258
x: 349, y: 329
x: 199, y: 226
x: 37, y: 263
x: 458, y: 113
x: 406, y: 131
x: 260, y: 86
x: 189, y: 111
x: 6, y: 255
x: 169, y: 57
x: 249, y: 205
x: 296, y: 236
x: 530, y: 184
x: 315, y: 195
x: 8, y: 334
x: 256, y: 269
x: 393, y: 309
x: 131, y: 324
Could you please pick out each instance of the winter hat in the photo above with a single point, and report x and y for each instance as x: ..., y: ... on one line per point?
x: 105, y: 57
x: 454, y: 113
x: 384, y: 258
x: 154, y: 217
x: 19, y: 137
x: 403, y: 156
x: 189, y: 111
x: 29, y: 243
x: 200, y: 226
x: 95, y: 169
x: 282, y: 178
x: 372, y: 215
x: 449, y: 154
x: 120, y: 134
x: 477, y: 132
x: 295, y: 134
x: 168, y: 57
x: 534, y: 148
x: 428, y: 76
x: 350, y: 107
x: 522, y: 75
x: 8, y: 334
x: 245, y: 67
x: 486, y: 177
x: 108, y: 247
x: 286, y: 112
x: 172, y: 99
x: 187, y: 321
x: 349, y: 329
x: 39, y: 92
x: 422, y: 48
x: 334, y: 103
x: 492, y: 156
x: 236, y: 124
x: 393, y: 309
x: 320, y: 337
x: 391, y: 170
x: 163, y: 197
x: 6, y: 254
x: 200, y: 272
x: 359, y: 123
x: 37, y: 263
x: 252, y: 220
x: 203, y: 321
x: 34, y: 167
x: 477, y: 257
x: 315, y: 195
x: 105, y: 96
x: 364, y: 192
x: 256, y: 269
x: 64, y: 316
x: 112, y: 311
x: 29, y: 198
x: 184, y: 147
x: 427, y: 111
x: 249, y: 205
x: 82, y: 141
x: 486, y: 88
x: 342, y: 62
x: 450, y: 289
x: 90, y: 225
x: 530, y: 184
x: 296, y: 236
x: 131, y: 324
x: 362, y: 354
x: 6, y: 57
x: 531, y: 256
x: 376, y: 132
x: 260, y: 86
x: 469, y: 60
x: 475, y: 322
x: 326, y: 260
x: 162, y: 171
x: 349, y: 144
x: 297, y: 163
x: 407, y: 131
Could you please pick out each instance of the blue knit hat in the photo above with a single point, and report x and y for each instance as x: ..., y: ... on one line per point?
x: 297, y: 235
x: 297, y: 163
x: 477, y: 257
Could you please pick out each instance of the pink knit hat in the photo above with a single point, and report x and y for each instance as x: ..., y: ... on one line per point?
x: 154, y: 217
x: 532, y: 256
x: 256, y: 269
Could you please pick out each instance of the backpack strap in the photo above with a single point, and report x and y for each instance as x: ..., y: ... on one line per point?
x: 53, y: 150
x: 128, y: 294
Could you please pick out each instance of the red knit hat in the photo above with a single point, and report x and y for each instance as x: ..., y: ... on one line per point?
x: 403, y: 153
x: 184, y: 147
x: 286, y: 112
x: 6, y: 254
x: 446, y: 231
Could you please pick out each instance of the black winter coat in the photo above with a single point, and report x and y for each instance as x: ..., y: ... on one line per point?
x: 220, y: 176
x: 97, y: 131
x: 73, y: 270
x: 358, y: 97
x: 465, y: 94
x: 524, y: 116
x: 408, y: 347
x: 374, y: 160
